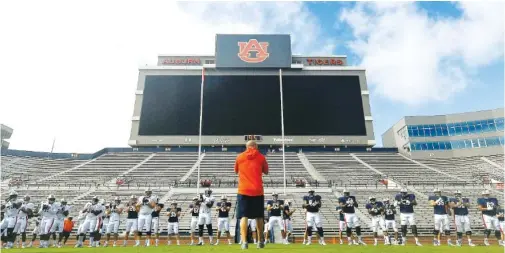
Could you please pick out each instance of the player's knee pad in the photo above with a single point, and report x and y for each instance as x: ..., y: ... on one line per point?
x: 10, y: 231
x: 139, y: 233
x: 404, y: 230
x: 468, y: 232
x: 309, y: 231
x: 487, y: 232
x: 209, y: 229
x: 459, y: 234
x: 349, y: 232
x: 148, y: 233
x: 435, y: 232
x: 447, y: 232
x: 497, y: 234
x: 200, y: 230
x: 320, y: 231
x: 23, y: 236
x: 358, y: 230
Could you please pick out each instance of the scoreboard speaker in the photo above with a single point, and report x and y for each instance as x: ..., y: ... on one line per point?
x: 253, y: 137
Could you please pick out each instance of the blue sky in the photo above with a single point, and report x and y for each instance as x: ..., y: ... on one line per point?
x: 81, y: 75
x: 484, y: 90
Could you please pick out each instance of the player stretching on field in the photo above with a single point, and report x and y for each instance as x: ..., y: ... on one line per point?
x: 131, y: 220
x: 173, y: 213
x: 375, y: 210
x: 194, y: 209
x: 389, y: 212
x: 223, y: 224
x: 146, y: 204
x: 275, y: 208
x: 286, y: 215
x: 488, y: 206
x: 156, y: 221
x: 459, y: 207
x: 407, y: 202
x: 25, y: 212
x: 348, y: 204
x: 204, y: 218
x: 440, y: 206
x: 115, y: 210
x: 312, y: 203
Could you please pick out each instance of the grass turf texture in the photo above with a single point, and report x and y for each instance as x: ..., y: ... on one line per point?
x: 294, y: 248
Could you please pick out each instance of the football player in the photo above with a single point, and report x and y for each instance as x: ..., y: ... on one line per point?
x: 312, y: 203
x: 146, y: 205
x: 61, y: 214
x: 9, y: 222
x: 115, y: 209
x: 194, y: 209
x: 173, y: 213
x: 389, y: 212
x: 204, y: 218
x: 459, y: 207
x: 48, y: 212
x: 488, y: 206
x: 131, y: 220
x: 342, y: 226
x: 348, y: 204
x: 80, y: 229
x: 252, y: 225
x: 156, y: 221
x: 103, y: 221
x: 92, y: 210
x: 24, y: 214
x: 275, y: 208
x: 286, y: 215
x: 223, y: 224
x: 407, y: 202
x: 440, y: 206
x: 375, y: 209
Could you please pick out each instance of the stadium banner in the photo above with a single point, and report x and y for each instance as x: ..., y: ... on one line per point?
x: 253, y: 51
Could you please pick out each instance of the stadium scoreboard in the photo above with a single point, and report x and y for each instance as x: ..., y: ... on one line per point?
x: 325, y: 102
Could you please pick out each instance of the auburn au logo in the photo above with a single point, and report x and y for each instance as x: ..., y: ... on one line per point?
x: 246, y: 49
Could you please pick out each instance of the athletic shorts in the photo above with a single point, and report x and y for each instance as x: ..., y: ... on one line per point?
x: 251, y: 206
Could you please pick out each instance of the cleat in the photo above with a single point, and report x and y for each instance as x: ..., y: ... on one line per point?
x: 322, y: 243
x: 471, y: 244
x: 244, y: 246
x: 308, y: 243
x: 418, y: 244
x: 360, y: 242
x: 260, y: 245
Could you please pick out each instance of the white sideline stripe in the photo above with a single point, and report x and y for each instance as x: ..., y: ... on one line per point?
x: 195, y: 166
x: 310, y: 168
x: 65, y: 171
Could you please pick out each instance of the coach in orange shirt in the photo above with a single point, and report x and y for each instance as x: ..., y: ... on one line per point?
x: 250, y: 167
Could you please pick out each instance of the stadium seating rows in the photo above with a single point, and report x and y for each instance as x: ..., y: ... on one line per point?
x: 173, y: 177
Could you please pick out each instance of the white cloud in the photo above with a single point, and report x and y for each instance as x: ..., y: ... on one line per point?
x: 415, y: 59
x: 69, y: 69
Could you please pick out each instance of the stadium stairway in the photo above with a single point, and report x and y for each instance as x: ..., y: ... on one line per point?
x: 497, y: 173
x: 391, y: 183
x: 66, y: 171
x: 431, y: 168
x: 195, y: 167
x: 112, y: 182
x: 310, y: 168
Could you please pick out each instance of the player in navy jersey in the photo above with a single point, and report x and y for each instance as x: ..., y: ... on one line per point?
x: 275, y: 208
x: 156, y: 221
x: 173, y: 213
x: 375, y: 208
x: 194, y: 209
x: 131, y: 220
x: 223, y: 223
x: 389, y: 212
x: 348, y: 204
x: 312, y: 204
x: 286, y: 215
x: 488, y: 206
x: 459, y: 206
x: 407, y: 201
x: 341, y: 223
x: 440, y: 206
x: 501, y: 220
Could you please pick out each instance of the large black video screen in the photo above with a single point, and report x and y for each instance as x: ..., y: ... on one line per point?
x: 323, y: 105
x: 240, y: 105
x: 170, y: 105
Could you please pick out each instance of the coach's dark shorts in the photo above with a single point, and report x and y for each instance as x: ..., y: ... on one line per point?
x: 250, y: 206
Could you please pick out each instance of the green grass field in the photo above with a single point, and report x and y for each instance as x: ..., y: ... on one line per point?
x: 294, y: 248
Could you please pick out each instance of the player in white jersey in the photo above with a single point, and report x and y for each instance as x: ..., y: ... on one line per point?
x: 61, y: 214
x: 204, y: 217
x: 146, y: 204
x: 92, y: 210
x: 35, y: 232
x: 10, y: 218
x: 115, y: 210
x: 100, y: 220
x: 48, y: 212
x: 25, y: 212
